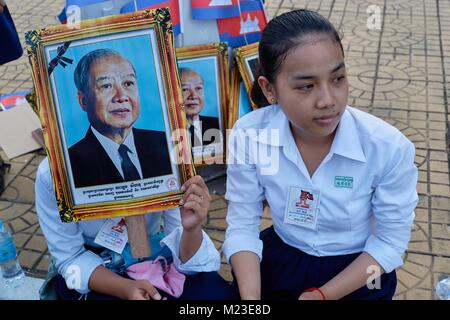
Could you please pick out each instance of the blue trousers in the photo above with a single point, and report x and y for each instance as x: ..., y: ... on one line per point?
x: 287, y: 271
x: 200, y: 286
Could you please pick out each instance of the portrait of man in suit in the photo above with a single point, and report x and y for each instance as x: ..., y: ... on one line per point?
x: 113, y: 151
x: 194, y: 101
x: 253, y: 63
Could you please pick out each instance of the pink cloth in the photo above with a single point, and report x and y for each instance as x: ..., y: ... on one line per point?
x: 161, y: 275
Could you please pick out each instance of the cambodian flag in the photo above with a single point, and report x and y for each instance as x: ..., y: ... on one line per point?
x: 62, y: 17
x: 214, y: 9
x: 7, y: 101
x: 173, y: 6
x: 245, y: 29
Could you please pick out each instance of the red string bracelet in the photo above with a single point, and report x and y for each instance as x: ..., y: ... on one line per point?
x: 317, y: 289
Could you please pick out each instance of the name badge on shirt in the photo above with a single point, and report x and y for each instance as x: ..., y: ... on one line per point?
x: 113, y: 235
x: 301, y: 207
x: 343, y: 182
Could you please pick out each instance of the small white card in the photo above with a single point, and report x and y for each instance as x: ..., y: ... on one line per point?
x: 302, y: 207
x: 113, y: 235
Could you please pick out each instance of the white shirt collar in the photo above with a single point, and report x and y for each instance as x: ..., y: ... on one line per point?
x: 196, y: 123
x: 111, y: 148
x: 346, y: 141
x: 195, y: 118
x: 110, y: 144
x: 279, y: 122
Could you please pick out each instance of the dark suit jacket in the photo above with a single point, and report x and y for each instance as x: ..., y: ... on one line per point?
x: 92, y: 166
x: 209, y: 123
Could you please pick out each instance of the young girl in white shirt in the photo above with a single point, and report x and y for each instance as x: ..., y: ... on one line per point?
x: 340, y: 183
x: 81, y: 268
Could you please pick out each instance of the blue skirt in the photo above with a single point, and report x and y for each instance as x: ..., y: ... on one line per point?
x: 287, y: 271
x: 199, y: 286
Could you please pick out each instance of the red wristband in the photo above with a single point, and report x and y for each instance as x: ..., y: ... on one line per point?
x: 317, y: 289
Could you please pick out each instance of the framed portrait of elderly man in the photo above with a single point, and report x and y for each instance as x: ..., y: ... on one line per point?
x: 203, y: 72
x: 248, y: 62
x: 110, y: 106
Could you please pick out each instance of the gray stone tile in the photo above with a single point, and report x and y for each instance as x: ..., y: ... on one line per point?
x: 398, y: 73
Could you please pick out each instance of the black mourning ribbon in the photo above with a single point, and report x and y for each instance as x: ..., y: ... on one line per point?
x: 130, y: 173
x: 60, y: 59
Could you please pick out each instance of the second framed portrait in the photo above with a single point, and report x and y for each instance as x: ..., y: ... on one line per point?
x: 247, y: 60
x: 203, y: 72
x: 240, y: 103
x: 109, y: 102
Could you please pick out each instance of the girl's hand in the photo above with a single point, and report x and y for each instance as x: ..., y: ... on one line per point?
x: 194, y: 203
x: 141, y: 290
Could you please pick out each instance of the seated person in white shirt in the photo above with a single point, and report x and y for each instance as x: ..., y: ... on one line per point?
x: 194, y: 102
x: 112, y: 151
x: 340, y: 183
x: 77, y: 261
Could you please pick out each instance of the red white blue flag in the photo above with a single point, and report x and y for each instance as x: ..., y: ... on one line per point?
x: 173, y: 6
x: 246, y: 28
x: 214, y: 9
x: 80, y: 3
x: 62, y: 17
x: 131, y: 6
x: 7, y: 101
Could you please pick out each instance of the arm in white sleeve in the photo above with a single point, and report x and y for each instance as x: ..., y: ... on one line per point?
x: 171, y: 220
x: 393, y: 204
x: 245, y: 195
x: 206, y: 259
x: 65, y: 240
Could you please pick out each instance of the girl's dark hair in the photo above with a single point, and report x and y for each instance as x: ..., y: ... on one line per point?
x: 282, y: 34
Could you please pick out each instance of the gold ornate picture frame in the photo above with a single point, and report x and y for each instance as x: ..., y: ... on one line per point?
x: 111, y: 83
x: 248, y: 62
x: 240, y: 103
x: 204, y: 77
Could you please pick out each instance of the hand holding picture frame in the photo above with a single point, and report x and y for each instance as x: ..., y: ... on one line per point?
x: 110, y: 103
x: 204, y: 80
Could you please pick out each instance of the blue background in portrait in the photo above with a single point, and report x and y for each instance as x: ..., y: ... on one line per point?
x: 244, y: 102
x: 137, y: 49
x: 206, y: 68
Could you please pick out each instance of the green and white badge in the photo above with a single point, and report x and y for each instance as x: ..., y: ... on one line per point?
x: 343, y: 182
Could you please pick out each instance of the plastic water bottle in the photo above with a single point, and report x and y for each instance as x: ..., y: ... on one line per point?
x: 13, y: 275
x: 443, y: 289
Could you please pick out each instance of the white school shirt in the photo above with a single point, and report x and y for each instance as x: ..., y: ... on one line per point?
x: 112, y: 149
x: 374, y: 216
x: 66, y: 240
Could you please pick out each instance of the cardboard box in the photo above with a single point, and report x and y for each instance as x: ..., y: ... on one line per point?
x: 16, y: 127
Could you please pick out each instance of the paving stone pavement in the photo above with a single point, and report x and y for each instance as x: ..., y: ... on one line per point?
x: 400, y: 73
